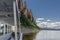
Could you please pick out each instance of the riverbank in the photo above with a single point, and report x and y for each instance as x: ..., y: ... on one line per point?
x: 27, y: 30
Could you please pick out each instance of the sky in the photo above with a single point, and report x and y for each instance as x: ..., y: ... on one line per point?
x: 48, y: 9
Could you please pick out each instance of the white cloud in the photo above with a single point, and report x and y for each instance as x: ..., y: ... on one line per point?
x: 39, y: 19
x: 48, y: 20
x: 46, y: 23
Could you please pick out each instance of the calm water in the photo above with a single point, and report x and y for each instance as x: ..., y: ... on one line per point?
x: 43, y: 35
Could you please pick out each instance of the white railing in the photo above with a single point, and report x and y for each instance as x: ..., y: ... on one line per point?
x: 6, y: 33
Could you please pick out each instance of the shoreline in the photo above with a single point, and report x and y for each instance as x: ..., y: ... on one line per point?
x: 27, y: 31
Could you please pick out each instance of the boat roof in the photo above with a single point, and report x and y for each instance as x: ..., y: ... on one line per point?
x: 6, y: 6
x: 6, y: 12
x: 6, y: 0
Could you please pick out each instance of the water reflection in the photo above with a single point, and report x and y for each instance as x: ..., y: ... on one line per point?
x: 29, y: 36
x: 43, y: 35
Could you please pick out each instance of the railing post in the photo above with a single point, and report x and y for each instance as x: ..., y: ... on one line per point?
x: 15, y: 19
x: 4, y: 29
x: 7, y: 28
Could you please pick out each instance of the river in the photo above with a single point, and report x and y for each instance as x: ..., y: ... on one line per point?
x: 43, y: 35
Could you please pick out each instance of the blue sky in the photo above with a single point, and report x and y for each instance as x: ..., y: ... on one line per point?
x: 48, y: 9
